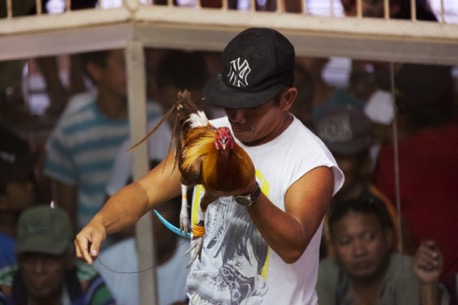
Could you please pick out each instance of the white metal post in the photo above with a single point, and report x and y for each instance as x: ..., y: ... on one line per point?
x: 135, y: 62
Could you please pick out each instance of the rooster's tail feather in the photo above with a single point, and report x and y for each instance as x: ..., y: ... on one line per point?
x: 187, y: 117
x: 164, y: 118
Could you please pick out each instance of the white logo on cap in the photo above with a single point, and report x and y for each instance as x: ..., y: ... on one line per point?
x: 238, y: 73
x: 336, y: 129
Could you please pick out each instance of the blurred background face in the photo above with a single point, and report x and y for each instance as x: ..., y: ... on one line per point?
x: 362, y: 246
x: 19, y: 195
x: 167, y: 97
x: 111, y: 77
x: 314, y: 65
x: 43, y: 274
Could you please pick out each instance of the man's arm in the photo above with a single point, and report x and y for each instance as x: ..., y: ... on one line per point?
x: 125, y: 207
x: 289, y: 233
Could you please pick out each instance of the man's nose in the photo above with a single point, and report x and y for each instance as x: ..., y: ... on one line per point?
x: 235, y: 115
x: 359, y: 247
x: 38, y: 266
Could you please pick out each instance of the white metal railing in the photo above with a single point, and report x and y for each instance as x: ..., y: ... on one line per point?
x: 446, y: 10
x: 312, y: 31
x: 162, y: 26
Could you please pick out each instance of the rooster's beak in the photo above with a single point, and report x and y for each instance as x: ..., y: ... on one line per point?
x: 223, y: 142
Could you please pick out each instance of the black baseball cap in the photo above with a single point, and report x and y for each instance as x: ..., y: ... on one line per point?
x: 17, y: 162
x: 345, y: 130
x: 256, y: 65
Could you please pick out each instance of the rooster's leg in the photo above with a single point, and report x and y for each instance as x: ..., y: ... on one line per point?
x: 184, y: 215
x: 197, y: 241
x: 198, y: 231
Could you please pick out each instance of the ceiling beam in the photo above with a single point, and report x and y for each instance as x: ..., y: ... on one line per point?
x: 210, y: 29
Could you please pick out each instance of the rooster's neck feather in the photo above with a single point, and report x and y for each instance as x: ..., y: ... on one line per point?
x: 197, y: 119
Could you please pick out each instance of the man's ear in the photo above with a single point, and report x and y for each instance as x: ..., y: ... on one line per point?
x: 288, y: 98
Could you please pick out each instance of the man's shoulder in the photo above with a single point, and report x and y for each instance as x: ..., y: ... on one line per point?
x: 93, y: 285
x: 400, y: 270
x: 76, y: 116
x: 86, y: 273
x: 7, y: 255
x: 78, y: 102
x: 301, y: 138
x: 7, y: 275
x: 399, y: 261
x: 400, y: 280
x: 332, y: 280
x: 329, y: 266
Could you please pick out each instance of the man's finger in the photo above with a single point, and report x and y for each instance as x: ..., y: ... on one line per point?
x: 94, y: 250
x: 82, y: 246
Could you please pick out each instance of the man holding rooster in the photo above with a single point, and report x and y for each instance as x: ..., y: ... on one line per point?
x: 261, y: 240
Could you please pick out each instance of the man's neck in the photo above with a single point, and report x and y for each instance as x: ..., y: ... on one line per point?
x: 282, y: 123
x: 112, y: 106
x: 54, y: 299
x: 8, y: 223
x: 366, y: 292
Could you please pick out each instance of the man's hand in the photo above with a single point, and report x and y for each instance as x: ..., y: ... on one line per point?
x: 89, y: 240
x: 427, y: 263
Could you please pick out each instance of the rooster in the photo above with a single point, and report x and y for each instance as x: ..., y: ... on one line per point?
x: 204, y: 155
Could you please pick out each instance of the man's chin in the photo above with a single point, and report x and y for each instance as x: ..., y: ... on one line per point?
x: 363, y: 276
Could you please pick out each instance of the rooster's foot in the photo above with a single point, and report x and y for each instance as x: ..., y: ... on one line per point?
x: 198, y: 232
x: 184, y: 227
x: 196, y: 249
